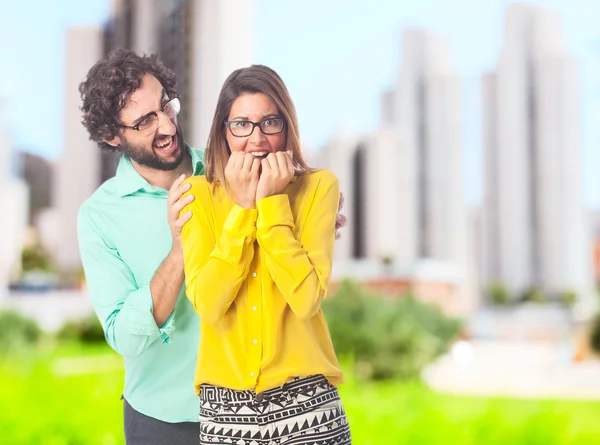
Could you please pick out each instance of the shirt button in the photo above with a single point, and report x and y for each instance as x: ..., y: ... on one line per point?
x: 251, y: 374
x: 254, y: 308
x: 255, y: 341
x: 254, y: 274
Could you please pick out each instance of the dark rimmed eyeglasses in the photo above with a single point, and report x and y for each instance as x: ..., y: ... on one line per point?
x: 242, y: 129
x: 148, y: 124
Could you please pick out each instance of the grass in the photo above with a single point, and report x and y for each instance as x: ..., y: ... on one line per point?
x: 43, y: 404
x: 71, y: 395
x: 410, y: 413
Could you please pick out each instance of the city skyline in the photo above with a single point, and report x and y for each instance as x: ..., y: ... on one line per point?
x: 536, y: 234
x: 367, y: 58
x: 136, y: 24
x: 403, y: 182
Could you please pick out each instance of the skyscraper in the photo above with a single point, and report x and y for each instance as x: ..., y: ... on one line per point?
x: 202, y: 41
x: 78, y: 169
x: 404, y: 182
x: 535, y: 235
x: 222, y: 42
x: 14, y: 205
x: 428, y: 120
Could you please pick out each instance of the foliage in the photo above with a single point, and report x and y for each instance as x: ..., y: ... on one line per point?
x: 568, y: 298
x: 387, y: 337
x: 17, y: 331
x: 498, y: 294
x: 86, y: 330
x: 36, y: 258
x: 595, y: 334
x: 535, y: 295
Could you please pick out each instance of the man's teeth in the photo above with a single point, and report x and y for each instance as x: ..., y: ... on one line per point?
x: 166, y: 144
x: 258, y: 154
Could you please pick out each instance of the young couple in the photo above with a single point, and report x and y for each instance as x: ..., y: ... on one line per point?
x: 241, y: 236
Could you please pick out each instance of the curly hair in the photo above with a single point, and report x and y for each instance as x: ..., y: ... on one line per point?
x: 108, y: 86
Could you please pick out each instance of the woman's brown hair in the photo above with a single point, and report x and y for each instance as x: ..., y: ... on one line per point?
x: 251, y: 80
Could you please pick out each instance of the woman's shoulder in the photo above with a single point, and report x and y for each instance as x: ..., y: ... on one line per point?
x: 197, y: 181
x: 200, y: 188
x: 320, y: 177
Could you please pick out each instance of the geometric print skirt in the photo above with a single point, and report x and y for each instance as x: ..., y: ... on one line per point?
x: 303, y: 411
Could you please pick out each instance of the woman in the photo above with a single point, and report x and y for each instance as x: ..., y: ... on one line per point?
x: 258, y: 252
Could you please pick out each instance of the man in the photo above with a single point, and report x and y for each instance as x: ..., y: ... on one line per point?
x: 130, y: 241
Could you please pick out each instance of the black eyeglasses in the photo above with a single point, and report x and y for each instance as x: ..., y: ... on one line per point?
x: 149, y: 123
x: 242, y: 129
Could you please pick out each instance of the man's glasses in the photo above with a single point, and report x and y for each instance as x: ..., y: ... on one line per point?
x: 148, y: 124
x: 242, y: 129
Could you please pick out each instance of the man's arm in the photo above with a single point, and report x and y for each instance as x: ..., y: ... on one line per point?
x: 123, y: 306
x: 133, y: 315
x: 168, y: 278
x: 166, y: 285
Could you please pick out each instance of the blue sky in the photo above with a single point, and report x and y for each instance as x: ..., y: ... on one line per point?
x: 335, y: 56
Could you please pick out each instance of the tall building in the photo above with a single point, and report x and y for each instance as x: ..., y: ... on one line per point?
x: 14, y: 204
x: 428, y: 119
x: 222, y: 42
x: 403, y: 183
x: 534, y: 225
x: 78, y: 169
x: 341, y: 155
x: 37, y: 172
x: 202, y: 41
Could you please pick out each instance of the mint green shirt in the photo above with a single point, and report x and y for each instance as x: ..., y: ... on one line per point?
x: 123, y: 238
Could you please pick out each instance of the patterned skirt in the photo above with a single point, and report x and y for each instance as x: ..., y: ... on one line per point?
x: 304, y: 411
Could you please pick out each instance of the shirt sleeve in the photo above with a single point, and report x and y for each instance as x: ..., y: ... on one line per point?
x: 215, y: 268
x: 300, y: 267
x: 123, y: 306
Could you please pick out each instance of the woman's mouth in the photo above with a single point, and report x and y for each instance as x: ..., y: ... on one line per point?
x: 260, y: 154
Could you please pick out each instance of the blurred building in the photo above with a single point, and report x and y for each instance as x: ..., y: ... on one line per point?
x: 535, y: 231
x: 15, y: 203
x: 202, y: 41
x: 404, y: 182
x: 37, y: 172
x: 77, y: 172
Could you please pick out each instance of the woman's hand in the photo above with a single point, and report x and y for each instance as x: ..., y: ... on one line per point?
x: 242, y: 175
x: 277, y: 172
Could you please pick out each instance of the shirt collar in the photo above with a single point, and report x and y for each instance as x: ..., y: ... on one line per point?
x: 130, y: 181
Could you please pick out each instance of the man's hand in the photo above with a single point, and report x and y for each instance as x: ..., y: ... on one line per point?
x: 242, y: 173
x: 175, y: 205
x: 277, y: 172
x: 340, y: 220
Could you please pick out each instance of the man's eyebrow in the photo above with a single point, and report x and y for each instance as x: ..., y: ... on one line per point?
x: 141, y: 118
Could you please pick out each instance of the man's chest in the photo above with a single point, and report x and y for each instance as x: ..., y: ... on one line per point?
x: 141, y: 235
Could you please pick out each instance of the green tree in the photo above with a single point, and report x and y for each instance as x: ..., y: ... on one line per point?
x: 498, y: 294
x: 36, y: 258
x: 387, y: 337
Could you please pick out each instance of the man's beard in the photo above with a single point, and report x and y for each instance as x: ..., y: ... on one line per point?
x: 149, y: 158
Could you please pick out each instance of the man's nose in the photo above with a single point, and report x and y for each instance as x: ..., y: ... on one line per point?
x: 165, y: 125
